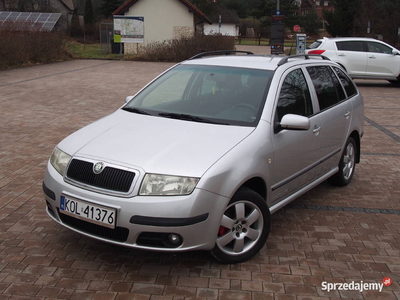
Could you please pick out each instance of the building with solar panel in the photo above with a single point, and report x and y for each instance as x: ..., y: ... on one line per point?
x: 44, y: 15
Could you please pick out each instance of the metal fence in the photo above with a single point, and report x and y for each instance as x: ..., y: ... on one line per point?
x: 106, y: 37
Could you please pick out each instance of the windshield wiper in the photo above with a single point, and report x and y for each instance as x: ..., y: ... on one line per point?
x: 189, y: 118
x: 136, y: 110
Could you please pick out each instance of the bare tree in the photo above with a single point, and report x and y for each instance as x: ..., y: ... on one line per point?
x: 372, y: 23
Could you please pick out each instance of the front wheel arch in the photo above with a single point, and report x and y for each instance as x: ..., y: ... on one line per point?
x: 258, y: 185
x: 244, y: 227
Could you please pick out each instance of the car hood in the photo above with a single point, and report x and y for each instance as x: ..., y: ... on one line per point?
x: 155, y: 144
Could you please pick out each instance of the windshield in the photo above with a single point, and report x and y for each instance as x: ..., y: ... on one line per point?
x: 211, y: 94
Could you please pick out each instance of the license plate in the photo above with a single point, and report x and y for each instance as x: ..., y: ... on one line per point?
x: 93, y: 213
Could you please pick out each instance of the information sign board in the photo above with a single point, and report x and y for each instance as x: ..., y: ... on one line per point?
x: 128, y: 29
x: 277, y: 37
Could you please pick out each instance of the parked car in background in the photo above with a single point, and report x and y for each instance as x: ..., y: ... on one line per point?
x: 363, y: 58
x: 200, y: 157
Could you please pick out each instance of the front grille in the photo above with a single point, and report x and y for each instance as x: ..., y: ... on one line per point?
x: 118, y: 234
x: 110, y: 178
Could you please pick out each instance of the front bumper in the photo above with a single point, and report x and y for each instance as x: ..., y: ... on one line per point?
x: 144, y: 222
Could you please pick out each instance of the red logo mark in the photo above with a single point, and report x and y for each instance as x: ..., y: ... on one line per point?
x: 387, y: 281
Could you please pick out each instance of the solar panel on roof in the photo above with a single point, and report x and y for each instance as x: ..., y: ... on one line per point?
x: 43, y: 18
x: 29, y: 20
x: 24, y: 15
x: 12, y: 17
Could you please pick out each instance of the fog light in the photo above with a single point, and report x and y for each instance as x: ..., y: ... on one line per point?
x: 171, y: 240
x: 174, y: 239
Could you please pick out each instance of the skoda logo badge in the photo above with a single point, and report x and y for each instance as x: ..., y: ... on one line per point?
x: 98, y: 168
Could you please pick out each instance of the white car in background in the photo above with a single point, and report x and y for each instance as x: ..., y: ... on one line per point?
x: 363, y: 58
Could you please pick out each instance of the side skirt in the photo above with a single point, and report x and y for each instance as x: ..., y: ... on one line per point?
x: 300, y: 192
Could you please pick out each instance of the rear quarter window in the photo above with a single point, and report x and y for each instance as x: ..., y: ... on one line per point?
x: 346, y: 82
x: 327, y: 86
x: 314, y: 45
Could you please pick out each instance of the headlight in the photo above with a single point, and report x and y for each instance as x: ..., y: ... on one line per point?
x: 155, y: 184
x: 59, y: 160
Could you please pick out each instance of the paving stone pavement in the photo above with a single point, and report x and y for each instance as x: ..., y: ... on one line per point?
x: 330, y: 234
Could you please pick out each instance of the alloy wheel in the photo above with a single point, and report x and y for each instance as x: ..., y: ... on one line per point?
x: 241, y: 227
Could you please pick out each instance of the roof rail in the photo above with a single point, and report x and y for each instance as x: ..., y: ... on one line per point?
x: 306, y: 56
x: 226, y: 52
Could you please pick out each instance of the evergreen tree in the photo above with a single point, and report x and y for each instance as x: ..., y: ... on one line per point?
x: 75, y: 30
x: 311, y: 23
x: 109, y: 6
x: 242, y: 8
x: 205, y: 6
x: 88, y: 17
x: 265, y: 8
x: 340, y: 22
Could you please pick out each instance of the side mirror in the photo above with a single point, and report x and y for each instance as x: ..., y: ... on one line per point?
x: 129, y: 98
x: 395, y: 52
x: 295, y: 122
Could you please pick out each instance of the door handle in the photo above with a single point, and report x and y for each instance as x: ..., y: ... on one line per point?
x: 347, y: 114
x: 316, y: 129
x: 372, y: 56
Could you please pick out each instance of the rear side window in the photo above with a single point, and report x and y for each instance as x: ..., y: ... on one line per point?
x: 327, y: 86
x: 294, y: 97
x: 346, y: 82
x: 350, y: 46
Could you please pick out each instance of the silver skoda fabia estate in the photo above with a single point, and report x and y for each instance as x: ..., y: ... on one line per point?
x: 202, y: 155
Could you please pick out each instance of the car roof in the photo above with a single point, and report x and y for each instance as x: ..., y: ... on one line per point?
x: 247, y: 61
x: 263, y: 62
x: 348, y: 39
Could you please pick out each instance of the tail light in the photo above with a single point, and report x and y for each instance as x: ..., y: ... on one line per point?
x: 316, y: 52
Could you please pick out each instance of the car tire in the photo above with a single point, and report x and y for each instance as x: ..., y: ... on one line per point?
x: 347, y: 165
x: 395, y: 82
x: 244, y: 228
